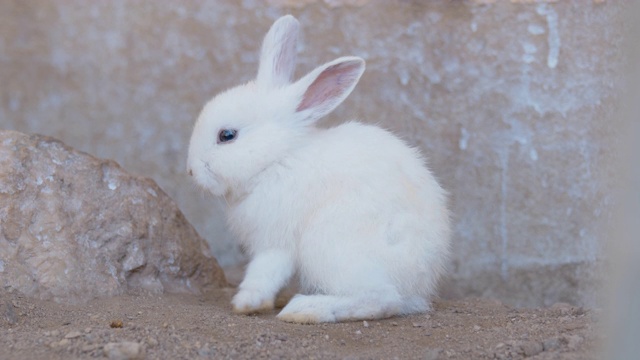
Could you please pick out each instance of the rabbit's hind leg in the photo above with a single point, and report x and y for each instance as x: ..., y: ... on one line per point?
x: 368, y: 305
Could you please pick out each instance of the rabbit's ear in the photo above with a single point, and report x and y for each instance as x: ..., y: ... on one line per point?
x: 323, y: 89
x: 278, y: 57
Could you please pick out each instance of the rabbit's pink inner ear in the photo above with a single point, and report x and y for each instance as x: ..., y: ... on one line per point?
x: 330, y: 85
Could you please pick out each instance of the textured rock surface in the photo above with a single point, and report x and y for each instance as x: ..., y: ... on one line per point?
x: 513, y: 102
x: 73, y: 227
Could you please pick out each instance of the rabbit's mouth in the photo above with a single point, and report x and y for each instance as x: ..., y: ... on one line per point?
x: 212, y: 182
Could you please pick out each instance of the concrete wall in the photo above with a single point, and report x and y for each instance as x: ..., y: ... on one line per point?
x: 513, y: 102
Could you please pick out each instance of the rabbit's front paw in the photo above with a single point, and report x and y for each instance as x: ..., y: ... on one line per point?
x: 248, y: 301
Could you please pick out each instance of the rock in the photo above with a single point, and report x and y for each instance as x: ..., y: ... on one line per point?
x: 73, y: 227
x: 126, y: 350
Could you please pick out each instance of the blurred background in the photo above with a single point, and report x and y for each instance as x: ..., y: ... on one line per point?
x: 515, y: 104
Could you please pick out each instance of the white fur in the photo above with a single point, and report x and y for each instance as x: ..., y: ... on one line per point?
x: 351, y: 209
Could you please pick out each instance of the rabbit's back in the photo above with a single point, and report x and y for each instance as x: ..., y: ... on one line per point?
x: 376, y: 200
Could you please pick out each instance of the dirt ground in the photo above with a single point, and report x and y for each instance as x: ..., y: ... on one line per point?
x: 193, y: 327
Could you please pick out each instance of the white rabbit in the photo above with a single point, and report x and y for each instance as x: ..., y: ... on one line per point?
x: 351, y: 209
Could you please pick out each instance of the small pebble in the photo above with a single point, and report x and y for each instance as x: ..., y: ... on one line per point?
x: 116, y: 324
x: 125, y: 350
x: 432, y: 354
x: 152, y: 341
x: 358, y: 332
x: 476, y: 327
x: 89, y: 348
x: 72, y: 335
x: 365, y: 324
x: 205, y: 352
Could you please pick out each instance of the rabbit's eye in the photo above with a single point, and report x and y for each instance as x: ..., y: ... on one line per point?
x: 227, y: 135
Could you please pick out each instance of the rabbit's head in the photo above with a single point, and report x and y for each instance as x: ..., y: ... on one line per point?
x: 243, y: 131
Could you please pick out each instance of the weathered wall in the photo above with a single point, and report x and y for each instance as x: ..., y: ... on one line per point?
x: 512, y: 101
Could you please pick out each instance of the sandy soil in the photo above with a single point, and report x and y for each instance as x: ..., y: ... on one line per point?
x: 192, y: 327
